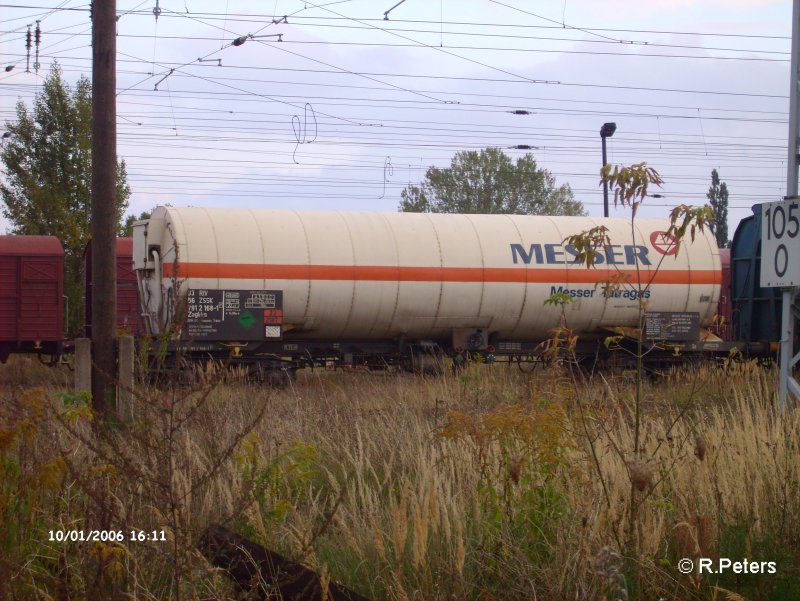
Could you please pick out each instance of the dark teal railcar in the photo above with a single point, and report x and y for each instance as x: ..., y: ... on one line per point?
x: 756, y: 314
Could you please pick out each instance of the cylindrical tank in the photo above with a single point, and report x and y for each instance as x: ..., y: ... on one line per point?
x: 371, y: 275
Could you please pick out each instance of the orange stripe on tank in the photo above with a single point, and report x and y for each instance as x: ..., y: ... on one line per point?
x: 388, y: 273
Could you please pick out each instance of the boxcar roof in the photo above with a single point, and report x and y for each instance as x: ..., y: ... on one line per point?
x: 30, y: 246
x: 124, y: 248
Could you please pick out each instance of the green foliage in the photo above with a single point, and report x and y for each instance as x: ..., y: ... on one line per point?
x: 58, y: 475
x: 76, y: 399
x: 613, y: 342
x: 739, y: 544
x: 32, y: 481
x: 522, y: 453
x: 558, y: 299
x: 490, y: 182
x: 47, y: 188
x: 276, y: 484
x: 560, y: 344
x: 718, y: 198
x: 630, y: 184
x: 685, y: 218
x: 126, y: 229
x: 586, y: 244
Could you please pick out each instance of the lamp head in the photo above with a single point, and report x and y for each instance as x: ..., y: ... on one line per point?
x: 608, y: 130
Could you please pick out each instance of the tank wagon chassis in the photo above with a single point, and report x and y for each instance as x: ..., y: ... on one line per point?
x: 244, y: 328
x: 276, y: 362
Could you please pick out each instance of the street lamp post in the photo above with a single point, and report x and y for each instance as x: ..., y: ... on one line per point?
x: 606, y: 131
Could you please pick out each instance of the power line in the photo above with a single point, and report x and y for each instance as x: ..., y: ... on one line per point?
x: 482, y: 24
x: 526, y: 50
x: 462, y: 79
x: 460, y: 107
x: 499, y: 96
x: 539, y: 133
x: 440, y: 49
x: 488, y: 35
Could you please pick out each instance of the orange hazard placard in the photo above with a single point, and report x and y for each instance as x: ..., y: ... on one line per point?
x: 273, y: 316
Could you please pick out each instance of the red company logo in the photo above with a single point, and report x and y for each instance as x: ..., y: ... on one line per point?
x: 664, y: 243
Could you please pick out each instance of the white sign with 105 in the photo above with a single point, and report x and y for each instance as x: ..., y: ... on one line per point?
x: 780, y: 244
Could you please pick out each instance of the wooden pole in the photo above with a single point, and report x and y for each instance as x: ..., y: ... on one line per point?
x: 104, y: 214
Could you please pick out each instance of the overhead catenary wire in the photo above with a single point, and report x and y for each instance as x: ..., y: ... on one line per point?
x: 561, y: 83
x: 780, y: 55
x: 482, y: 24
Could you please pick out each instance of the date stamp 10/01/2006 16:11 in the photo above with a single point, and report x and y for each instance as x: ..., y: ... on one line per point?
x: 111, y: 536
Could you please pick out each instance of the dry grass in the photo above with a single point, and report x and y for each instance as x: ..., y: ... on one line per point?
x: 490, y: 484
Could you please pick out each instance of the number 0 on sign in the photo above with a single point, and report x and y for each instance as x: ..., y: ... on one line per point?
x: 780, y: 244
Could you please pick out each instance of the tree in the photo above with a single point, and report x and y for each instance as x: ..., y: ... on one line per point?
x: 718, y: 197
x: 48, y: 175
x: 490, y: 182
x: 126, y: 229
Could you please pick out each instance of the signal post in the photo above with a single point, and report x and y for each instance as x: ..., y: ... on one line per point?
x: 780, y: 231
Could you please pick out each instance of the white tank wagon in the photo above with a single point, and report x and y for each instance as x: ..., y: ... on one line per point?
x: 476, y: 281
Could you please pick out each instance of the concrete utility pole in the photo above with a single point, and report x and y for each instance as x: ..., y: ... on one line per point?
x: 787, y: 357
x: 793, y: 162
x: 104, y: 214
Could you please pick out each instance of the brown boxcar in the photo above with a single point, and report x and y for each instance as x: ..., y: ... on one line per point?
x: 127, y: 297
x: 31, y: 295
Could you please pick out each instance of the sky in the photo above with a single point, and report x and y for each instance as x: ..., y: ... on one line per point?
x: 327, y: 105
